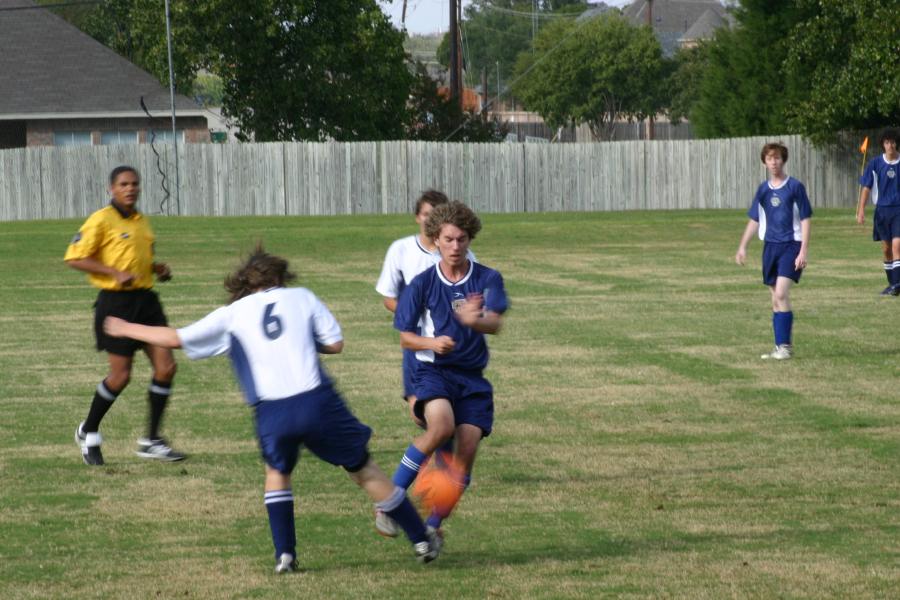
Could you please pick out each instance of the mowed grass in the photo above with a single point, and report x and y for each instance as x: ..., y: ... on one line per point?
x: 641, y: 449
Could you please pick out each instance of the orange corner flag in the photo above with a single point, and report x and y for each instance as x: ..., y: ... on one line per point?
x: 865, y: 145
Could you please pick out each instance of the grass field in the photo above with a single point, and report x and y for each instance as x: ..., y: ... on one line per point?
x: 641, y: 447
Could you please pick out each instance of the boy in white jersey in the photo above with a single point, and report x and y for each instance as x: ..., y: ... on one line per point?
x: 273, y: 335
x: 881, y: 181
x: 780, y: 212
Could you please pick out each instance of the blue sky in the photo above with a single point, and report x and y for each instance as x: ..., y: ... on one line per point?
x: 429, y: 16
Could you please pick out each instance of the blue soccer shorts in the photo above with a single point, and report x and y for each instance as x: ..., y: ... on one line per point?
x: 778, y: 261
x: 318, y: 419
x: 410, y: 364
x: 471, y: 395
x: 886, y: 223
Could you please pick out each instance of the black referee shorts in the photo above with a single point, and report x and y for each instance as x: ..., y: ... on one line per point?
x: 135, y: 306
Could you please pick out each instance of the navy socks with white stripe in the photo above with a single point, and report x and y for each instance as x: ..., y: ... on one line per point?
x: 409, y: 467
x: 782, y: 323
x: 894, y: 272
x: 100, y: 405
x: 280, y: 506
x: 889, y: 272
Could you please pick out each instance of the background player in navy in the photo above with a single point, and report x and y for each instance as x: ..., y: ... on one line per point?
x: 456, y: 302
x: 273, y: 335
x: 115, y: 247
x: 881, y: 181
x: 781, y: 214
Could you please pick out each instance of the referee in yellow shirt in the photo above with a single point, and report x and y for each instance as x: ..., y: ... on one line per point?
x: 115, y: 248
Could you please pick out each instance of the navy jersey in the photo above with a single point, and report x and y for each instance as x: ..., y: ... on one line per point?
x: 783, y: 208
x: 883, y: 178
x: 433, y: 299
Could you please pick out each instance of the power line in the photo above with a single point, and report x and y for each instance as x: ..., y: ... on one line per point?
x: 45, y: 6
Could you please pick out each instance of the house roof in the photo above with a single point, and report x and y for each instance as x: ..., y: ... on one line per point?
x: 672, y: 19
x: 704, y: 27
x: 51, y: 69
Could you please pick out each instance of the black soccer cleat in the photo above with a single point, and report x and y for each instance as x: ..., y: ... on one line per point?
x: 888, y: 291
x: 90, y: 446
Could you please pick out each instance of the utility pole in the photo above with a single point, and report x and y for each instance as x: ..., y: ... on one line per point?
x: 403, y: 17
x: 650, y: 132
x: 172, y: 104
x: 455, y: 94
x: 533, y: 23
x: 484, y: 92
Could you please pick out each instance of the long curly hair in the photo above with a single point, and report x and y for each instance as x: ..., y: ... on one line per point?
x: 454, y: 213
x: 260, y: 271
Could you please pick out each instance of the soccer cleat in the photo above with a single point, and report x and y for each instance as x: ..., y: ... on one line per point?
x: 158, y: 450
x: 429, y: 550
x: 894, y: 290
x: 286, y: 563
x: 888, y: 291
x: 781, y: 352
x: 385, y: 525
x: 90, y: 446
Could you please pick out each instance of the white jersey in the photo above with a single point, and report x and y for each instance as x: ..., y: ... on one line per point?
x: 405, y: 259
x: 272, y: 339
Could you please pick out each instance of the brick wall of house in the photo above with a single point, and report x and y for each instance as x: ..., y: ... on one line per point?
x: 41, y: 132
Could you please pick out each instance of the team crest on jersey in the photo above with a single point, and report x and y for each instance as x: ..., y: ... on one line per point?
x: 776, y: 201
x: 891, y: 173
x: 76, y: 238
x: 458, y: 300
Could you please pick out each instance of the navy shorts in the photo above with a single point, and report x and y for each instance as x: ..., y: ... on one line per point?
x: 136, y: 306
x: 886, y: 223
x: 778, y: 261
x: 410, y: 364
x: 471, y: 395
x: 318, y: 419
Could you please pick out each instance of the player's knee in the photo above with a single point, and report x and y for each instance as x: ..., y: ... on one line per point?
x: 118, y: 380
x: 441, y: 431
x: 166, y: 371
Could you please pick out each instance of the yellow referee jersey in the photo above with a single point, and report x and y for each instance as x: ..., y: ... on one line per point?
x: 123, y: 243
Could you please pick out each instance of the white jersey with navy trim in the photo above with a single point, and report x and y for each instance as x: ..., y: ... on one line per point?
x: 883, y: 177
x: 779, y: 210
x: 405, y: 259
x: 272, y: 339
x: 431, y: 302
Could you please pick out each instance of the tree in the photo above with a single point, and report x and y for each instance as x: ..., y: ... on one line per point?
x: 841, y: 67
x: 742, y: 90
x: 304, y: 69
x: 594, y: 72
x: 436, y: 117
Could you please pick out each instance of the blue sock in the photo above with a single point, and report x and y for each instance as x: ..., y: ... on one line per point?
x: 409, y: 467
x: 398, y: 507
x: 280, y: 506
x: 782, y: 323
x: 895, y: 273
x: 435, y: 518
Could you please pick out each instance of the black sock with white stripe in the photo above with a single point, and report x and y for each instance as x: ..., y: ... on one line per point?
x: 158, y: 397
x: 102, y: 402
x: 888, y: 269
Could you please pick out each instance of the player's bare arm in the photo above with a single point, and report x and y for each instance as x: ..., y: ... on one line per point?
x: 390, y: 303
x: 741, y: 256
x: 442, y: 344
x: 861, y: 207
x: 472, y: 314
x: 92, y: 265
x: 163, y: 271
x: 334, y: 348
x: 801, y: 260
x: 164, y: 337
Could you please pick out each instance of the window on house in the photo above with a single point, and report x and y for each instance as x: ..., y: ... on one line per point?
x: 164, y: 136
x: 71, y: 138
x: 110, y: 138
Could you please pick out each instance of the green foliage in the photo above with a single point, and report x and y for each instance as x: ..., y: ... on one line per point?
x: 685, y: 71
x: 742, y: 90
x: 592, y: 72
x: 209, y: 90
x: 843, y: 64
x: 306, y: 70
x: 435, y: 117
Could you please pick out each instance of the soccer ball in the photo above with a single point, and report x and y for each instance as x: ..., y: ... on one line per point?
x: 440, y: 484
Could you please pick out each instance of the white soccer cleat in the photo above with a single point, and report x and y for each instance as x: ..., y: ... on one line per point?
x: 286, y: 564
x: 781, y: 352
x: 158, y: 449
x: 385, y: 525
x: 429, y: 550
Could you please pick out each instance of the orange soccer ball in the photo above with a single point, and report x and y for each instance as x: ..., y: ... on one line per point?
x: 440, y: 484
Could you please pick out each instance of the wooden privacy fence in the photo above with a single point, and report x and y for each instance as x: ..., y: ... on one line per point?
x: 387, y: 177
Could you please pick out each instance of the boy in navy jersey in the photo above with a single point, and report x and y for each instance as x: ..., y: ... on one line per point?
x: 781, y: 214
x: 455, y: 302
x: 273, y: 335
x: 881, y: 180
